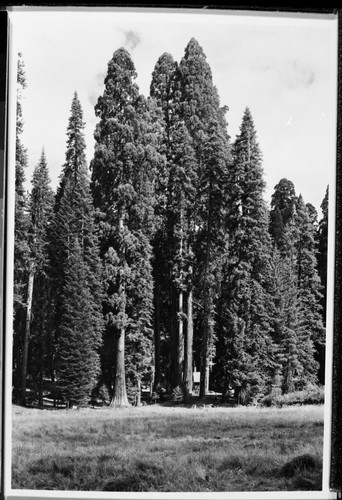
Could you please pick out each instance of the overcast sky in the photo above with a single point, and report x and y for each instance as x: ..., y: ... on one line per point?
x: 284, y: 68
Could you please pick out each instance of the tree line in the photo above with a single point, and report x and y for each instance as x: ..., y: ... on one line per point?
x: 163, y: 257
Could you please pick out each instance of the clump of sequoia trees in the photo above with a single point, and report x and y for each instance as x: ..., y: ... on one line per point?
x: 165, y: 258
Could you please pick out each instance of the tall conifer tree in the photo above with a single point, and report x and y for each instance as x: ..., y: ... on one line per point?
x: 78, y: 363
x: 288, y: 318
x: 322, y: 268
x: 179, y: 218
x: 204, y: 119
x: 282, y: 209
x: 299, y: 332
x: 301, y: 326
x: 322, y: 256
x: 162, y: 91
x: 123, y: 176
x: 76, y: 266
x: 21, y: 248
x: 41, y: 213
x: 247, y: 356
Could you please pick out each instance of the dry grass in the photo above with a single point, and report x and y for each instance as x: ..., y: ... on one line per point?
x: 157, y: 448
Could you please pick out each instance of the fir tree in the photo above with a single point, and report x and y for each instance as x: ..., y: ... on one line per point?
x: 123, y: 176
x: 288, y: 320
x: 308, y: 279
x: 74, y: 238
x: 78, y: 364
x: 41, y: 211
x: 21, y: 248
x: 247, y: 355
x: 301, y: 323
x: 322, y: 264
x: 298, y: 318
x: 322, y: 255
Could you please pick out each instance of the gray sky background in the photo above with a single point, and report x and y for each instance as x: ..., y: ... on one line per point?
x: 283, y: 67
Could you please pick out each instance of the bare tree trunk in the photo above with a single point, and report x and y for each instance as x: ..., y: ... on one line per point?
x: 189, y: 345
x: 173, y: 336
x: 207, y: 306
x: 40, y: 389
x: 27, y: 337
x: 180, y: 344
x: 207, y: 373
x: 139, y: 393
x: 120, y: 395
x: 204, y: 354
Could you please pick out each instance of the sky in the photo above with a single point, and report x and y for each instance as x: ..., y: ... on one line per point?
x: 283, y: 67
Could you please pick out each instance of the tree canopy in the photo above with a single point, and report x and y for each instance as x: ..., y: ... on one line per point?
x: 163, y: 259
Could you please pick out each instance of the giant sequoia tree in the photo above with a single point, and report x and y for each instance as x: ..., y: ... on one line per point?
x: 175, y: 234
x: 204, y: 119
x: 282, y: 209
x: 123, y: 176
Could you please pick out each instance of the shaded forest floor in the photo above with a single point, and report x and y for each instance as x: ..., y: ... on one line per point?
x: 165, y: 448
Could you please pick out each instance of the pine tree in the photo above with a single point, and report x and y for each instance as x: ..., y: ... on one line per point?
x: 247, y: 355
x: 123, y: 176
x: 75, y: 256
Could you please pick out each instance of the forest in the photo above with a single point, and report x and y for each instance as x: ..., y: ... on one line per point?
x: 159, y: 268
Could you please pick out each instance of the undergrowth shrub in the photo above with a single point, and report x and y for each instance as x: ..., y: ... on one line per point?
x: 100, y: 396
x: 177, y: 395
x: 312, y: 395
x: 305, y: 471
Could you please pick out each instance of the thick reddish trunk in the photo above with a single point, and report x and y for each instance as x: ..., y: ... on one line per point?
x: 120, y: 399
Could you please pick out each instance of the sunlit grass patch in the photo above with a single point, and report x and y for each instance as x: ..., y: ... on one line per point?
x: 166, y: 449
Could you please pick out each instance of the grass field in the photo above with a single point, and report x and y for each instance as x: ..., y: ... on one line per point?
x: 155, y: 448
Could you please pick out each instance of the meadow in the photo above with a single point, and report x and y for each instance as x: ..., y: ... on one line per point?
x: 174, y: 449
